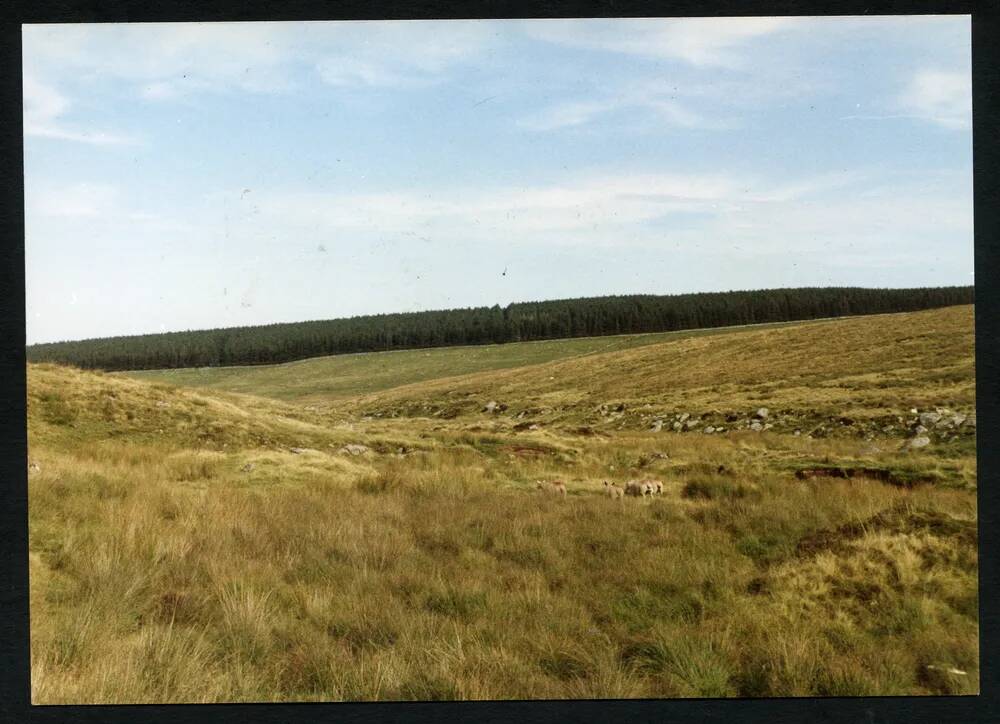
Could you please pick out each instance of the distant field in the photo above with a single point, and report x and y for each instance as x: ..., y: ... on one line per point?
x: 327, y: 378
x: 194, y: 545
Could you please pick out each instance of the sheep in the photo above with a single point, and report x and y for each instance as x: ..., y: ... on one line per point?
x: 636, y: 488
x: 557, y: 487
x: 613, y: 491
x: 654, y: 486
x: 34, y: 468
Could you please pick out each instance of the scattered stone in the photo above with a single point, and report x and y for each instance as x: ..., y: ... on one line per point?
x: 709, y: 430
x: 684, y: 417
x: 491, y: 406
x: 657, y: 425
x: 761, y: 413
x: 929, y: 419
x: 354, y: 449
x: 534, y: 426
x: 768, y: 425
x: 913, y: 410
x: 756, y: 426
x: 678, y: 426
x: 919, y: 430
x: 917, y: 442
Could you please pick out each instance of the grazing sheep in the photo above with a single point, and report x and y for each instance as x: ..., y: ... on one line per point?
x: 654, y: 486
x: 34, y: 468
x: 635, y: 488
x: 556, y: 487
x: 613, y: 491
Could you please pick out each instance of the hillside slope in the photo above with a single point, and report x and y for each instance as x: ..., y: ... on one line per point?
x: 206, y: 546
x: 348, y: 375
x: 868, y: 369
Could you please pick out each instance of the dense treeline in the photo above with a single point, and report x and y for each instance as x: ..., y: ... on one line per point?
x: 585, y: 317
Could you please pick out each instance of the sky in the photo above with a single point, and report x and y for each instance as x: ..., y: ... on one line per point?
x: 199, y: 175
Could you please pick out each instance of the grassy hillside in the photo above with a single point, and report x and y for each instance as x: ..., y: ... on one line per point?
x: 339, y: 376
x: 876, y: 362
x: 201, y: 545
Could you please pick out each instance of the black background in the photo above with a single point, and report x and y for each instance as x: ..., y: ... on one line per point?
x: 14, y: 650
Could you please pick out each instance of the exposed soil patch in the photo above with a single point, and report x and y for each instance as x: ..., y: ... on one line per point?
x: 527, y: 450
x: 884, y: 475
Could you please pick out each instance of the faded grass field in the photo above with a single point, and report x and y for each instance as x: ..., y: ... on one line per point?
x: 428, y: 567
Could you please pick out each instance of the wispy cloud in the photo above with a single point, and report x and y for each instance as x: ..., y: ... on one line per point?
x: 600, y: 209
x: 942, y: 97
x: 697, y: 41
x: 649, y: 97
x: 402, y: 53
x: 44, y: 107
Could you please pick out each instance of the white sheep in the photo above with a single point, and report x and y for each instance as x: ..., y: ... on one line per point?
x: 636, y: 488
x: 654, y: 486
x: 557, y: 487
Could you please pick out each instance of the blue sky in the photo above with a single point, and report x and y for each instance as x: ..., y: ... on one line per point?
x: 185, y: 176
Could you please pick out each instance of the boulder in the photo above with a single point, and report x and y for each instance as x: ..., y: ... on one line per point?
x: 918, y: 442
x: 709, y: 430
x: 684, y: 417
x: 678, y: 426
x: 929, y: 419
x: 756, y: 426
x: 761, y: 413
x: 491, y: 406
x: 657, y: 425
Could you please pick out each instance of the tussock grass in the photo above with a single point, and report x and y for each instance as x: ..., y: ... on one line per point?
x: 163, y: 569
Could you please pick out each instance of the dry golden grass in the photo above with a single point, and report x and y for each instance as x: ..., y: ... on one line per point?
x: 162, y: 570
